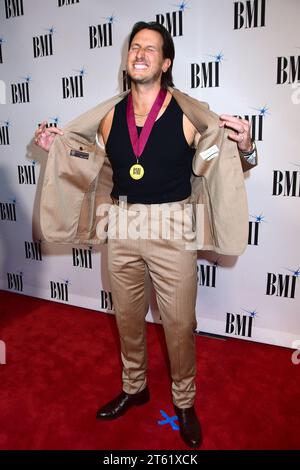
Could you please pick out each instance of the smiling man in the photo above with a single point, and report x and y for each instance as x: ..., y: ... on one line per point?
x: 166, y: 150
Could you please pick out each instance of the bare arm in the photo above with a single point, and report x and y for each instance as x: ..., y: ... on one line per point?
x: 105, y: 127
x: 191, y: 134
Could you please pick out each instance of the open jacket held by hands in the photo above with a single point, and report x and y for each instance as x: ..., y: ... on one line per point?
x: 75, y: 197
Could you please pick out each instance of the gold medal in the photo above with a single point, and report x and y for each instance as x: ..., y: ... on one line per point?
x: 138, y: 142
x: 136, y: 171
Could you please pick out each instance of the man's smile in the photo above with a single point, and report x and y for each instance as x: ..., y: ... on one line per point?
x: 140, y: 66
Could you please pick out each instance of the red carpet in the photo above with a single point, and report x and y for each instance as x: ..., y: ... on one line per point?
x: 63, y: 363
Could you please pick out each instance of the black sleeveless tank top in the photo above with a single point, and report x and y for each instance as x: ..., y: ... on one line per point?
x: 167, y: 159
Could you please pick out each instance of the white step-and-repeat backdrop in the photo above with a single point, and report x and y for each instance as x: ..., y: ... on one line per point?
x: 59, y: 58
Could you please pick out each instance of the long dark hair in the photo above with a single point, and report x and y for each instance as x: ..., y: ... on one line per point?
x: 167, y: 48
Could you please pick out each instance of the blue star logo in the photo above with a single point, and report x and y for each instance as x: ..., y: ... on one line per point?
x: 55, y: 120
x: 2, y: 41
x: 262, y: 111
x: 181, y: 6
x: 6, y: 123
x: 82, y: 71
x: 27, y: 78
x: 34, y: 162
x: 258, y: 218
x: 218, y: 57
x: 13, y: 200
x: 51, y: 30
x: 20, y: 273
x: 252, y: 313
x: 66, y: 281
x: 168, y: 420
x: 295, y: 272
x: 111, y: 19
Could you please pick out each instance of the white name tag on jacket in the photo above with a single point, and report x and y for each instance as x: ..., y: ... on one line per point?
x: 210, y: 153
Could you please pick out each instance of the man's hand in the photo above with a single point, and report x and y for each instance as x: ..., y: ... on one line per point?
x: 242, y: 131
x: 44, y: 136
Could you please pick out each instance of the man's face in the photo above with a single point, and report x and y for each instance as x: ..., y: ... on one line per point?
x: 145, y: 62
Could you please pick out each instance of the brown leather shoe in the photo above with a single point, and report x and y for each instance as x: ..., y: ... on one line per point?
x: 189, y: 426
x: 119, y: 405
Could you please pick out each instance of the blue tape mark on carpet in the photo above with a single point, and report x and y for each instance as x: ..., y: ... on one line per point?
x: 168, y: 420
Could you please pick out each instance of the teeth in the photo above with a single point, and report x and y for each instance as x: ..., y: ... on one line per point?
x: 140, y: 66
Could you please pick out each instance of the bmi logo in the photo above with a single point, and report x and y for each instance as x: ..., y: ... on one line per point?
x: 250, y: 14
x: 33, y: 250
x: 15, y: 281
x: 206, y: 74
x: 8, y: 210
x: 254, y: 227
x: 283, y: 285
x: 60, y: 290
x: 13, y: 8
x: 20, y: 91
x: 288, y: 70
x: 82, y: 258
x: 286, y: 183
x: 101, y: 35
x: 61, y: 3
x: 4, y: 134
x: 26, y: 173
x: 72, y: 86
x: 207, y: 274
x: 173, y: 21
x: 106, y: 302
x: 43, y: 45
x: 240, y: 325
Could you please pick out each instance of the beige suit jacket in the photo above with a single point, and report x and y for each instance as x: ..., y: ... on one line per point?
x: 75, y: 197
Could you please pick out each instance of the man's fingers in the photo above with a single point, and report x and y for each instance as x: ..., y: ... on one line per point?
x: 55, y: 130
x: 234, y: 136
x: 244, y: 145
x: 42, y: 131
x: 237, y: 126
x: 228, y: 117
x: 244, y: 121
x: 43, y: 128
x: 242, y: 128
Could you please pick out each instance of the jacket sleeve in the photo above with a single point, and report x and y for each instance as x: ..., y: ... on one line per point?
x: 247, y: 164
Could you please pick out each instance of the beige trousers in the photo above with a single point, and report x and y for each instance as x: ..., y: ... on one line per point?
x: 171, y: 262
